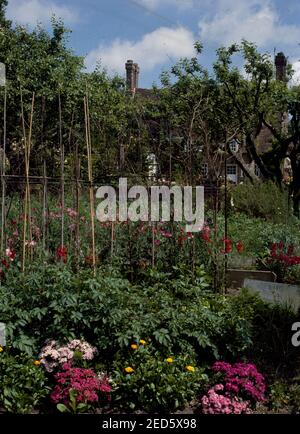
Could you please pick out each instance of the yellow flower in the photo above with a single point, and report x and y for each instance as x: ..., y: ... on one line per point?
x: 170, y: 360
x: 37, y: 362
x: 129, y: 370
x: 190, y: 368
x: 133, y: 346
x: 1, y: 349
x: 142, y: 342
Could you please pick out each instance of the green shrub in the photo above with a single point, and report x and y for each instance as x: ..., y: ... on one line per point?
x: 23, y: 383
x: 257, y: 235
x: 284, y: 396
x: 262, y: 199
x: 147, y: 380
x: 179, y: 314
x: 271, y: 333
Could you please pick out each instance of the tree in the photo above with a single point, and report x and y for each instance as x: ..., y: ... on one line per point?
x: 259, y: 102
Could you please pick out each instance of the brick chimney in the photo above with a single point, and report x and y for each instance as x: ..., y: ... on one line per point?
x: 280, y: 65
x: 132, y: 76
x: 137, y: 75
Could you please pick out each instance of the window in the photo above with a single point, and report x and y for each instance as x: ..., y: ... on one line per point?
x: 231, y: 169
x: 204, y: 169
x: 234, y: 146
x: 232, y: 172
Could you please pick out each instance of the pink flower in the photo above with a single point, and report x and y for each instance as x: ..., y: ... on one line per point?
x: 242, y: 379
x: 165, y: 234
x: 85, y: 383
x: 10, y: 253
x: 71, y: 212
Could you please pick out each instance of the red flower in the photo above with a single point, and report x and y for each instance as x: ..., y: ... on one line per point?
x: 205, y: 233
x: 5, y: 263
x: 240, y: 247
x: 62, y: 253
x: 227, y: 246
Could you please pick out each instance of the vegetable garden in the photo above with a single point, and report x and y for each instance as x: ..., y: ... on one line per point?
x: 139, y: 316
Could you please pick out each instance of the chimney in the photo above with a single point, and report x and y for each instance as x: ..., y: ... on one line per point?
x: 137, y: 75
x: 132, y: 76
x: 280, y: 65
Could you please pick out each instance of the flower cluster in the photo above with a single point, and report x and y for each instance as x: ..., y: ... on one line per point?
x: 84, y: 382
x: 217, y: 403
x: 227, y: 243
x: 283, y: 254
x: 62, y: 253
x: 10, y: 257
x: 227, y: 246
x: 242, y: 379
x: 53, y: 356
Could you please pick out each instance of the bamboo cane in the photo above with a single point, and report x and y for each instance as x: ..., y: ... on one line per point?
x: 27, y: 207
x: 62, y: 172
x: 112, y: 239
x: 153, y: 246
x: 26, y: 177
x: 45, y: 184
x: 90, y: 177
x: 77, y: 231
x: 3, y: 172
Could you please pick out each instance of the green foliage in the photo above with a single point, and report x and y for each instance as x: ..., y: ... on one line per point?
x: 23, y: 384
x: 54, y: 303
x: 156, y: 383
x: 284, y: 397
x: 292, y: 275
x: 262, y: 200
x: 257, y: 235
x: 73, y: 406
x: 270, y: 332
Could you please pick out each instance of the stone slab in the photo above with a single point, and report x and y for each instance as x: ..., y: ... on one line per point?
x: 275, y: 293
x: 235, y: 278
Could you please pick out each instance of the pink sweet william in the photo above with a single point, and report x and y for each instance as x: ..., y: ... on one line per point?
x: 218, y: 402
x: 84, y: 381
x: 242, y: 379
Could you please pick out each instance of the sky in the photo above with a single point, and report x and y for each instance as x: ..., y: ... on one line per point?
x: 157, y: 33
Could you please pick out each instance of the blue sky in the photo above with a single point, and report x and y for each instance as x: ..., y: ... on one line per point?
x: 156, y: 33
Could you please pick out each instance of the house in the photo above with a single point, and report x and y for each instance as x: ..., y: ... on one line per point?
x: 215, y: 167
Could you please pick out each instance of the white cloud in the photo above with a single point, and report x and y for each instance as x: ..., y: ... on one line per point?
x: 255, y: 20
x: 156, y: 4
x: 32, y: 12
x: 153, y: 49
x: 296, y: 77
